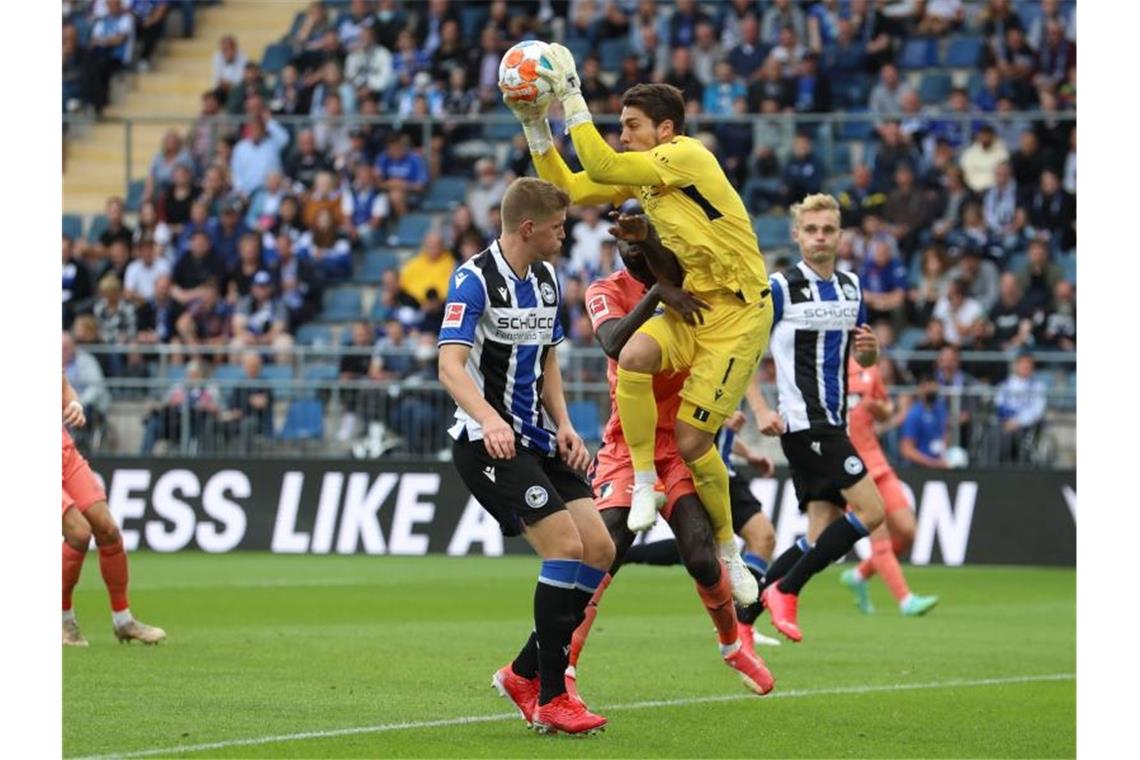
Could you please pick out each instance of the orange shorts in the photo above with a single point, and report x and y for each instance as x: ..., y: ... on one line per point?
x: 612, y: 474
x: 80, y: 487
x: 890, y: 488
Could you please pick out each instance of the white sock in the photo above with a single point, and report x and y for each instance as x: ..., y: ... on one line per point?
x: 119, y: 619
x: 648, y: 477
x: 728, y: 549
x: 727, y: 650
x: 905, y: 599
x: 69, y: 615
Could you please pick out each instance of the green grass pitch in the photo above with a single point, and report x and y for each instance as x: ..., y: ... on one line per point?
x: 301, y: 656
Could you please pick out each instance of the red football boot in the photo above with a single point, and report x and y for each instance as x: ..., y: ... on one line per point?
x: 565, y: 714
x: 572, y: 685
x: 782, y: 608
x: 751, y: 668
x: 522, y: 691
x: 745, y: 633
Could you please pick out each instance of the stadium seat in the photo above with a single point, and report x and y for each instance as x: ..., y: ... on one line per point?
x: 98, y: 227
x: 963, y: 52
x: 320, y: 373
x: 579, y: 48
x: 314, y: 335
x: 228, y: 372
x: 841, y: 158
x: 472, y: 21
x: 850, y: 91
x: 445, y: 194
x: 304, y: 421
x: 918, y: 53
x: 1016, y: 262
x: 411, y: 229
x: 974, y: 83
x: 175, y: 373
x: 135, y: 195
x: 1068, y: 264
x: 374, y: 265
x: 277, y: 372
x: 611, y: 53
x: 1028, y: 12
x: 342, y: 305
x: 73, y: 226
x: 586, y: 420
x: 934, y: 88
x: 298, y: 20
x: 909, y: 338
x: 856, y: 129
x: 772, y: 231
x: 277, y: 56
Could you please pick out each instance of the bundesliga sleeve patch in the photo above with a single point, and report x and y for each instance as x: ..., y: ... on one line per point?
x: 598, y: 307
x: 453, y: 315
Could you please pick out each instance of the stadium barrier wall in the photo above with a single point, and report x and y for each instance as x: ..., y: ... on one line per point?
x: 409, y: 508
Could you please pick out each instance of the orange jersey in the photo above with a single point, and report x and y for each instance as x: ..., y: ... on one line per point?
x: 865, y: 383
x: 612, y: 298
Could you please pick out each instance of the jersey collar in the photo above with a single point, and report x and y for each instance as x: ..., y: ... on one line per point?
x: 811, y: 274
x: 505, y: 268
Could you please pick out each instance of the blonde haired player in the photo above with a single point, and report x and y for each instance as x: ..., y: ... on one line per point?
x: 718, y: 324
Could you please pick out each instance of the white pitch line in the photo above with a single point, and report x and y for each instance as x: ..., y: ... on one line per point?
x: 445, y: 722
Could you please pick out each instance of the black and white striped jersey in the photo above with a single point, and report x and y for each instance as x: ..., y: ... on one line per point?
x: 811, y: 339
x: 510, y: 325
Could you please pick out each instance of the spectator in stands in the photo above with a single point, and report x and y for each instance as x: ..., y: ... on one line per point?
x: 300, y: 284
x: 307, y: 161
x: 451, y: 53
x: 331, y: 130
x: 846, y: 57
x: 248, y: 416
x: 962, y: 317
x: 682, y: 25
x: 172, y: 207
x: 309, y: 39
x: 1010, y: 322
x: 748, y: 55
x: 260, y: 319
x: 240, y: 273
x: 955, y: 131
x: 586, y: 239
x: 408, y: 59
x: 980, y: 275
x: 195, y: 268
x: 75, y: 66
x: 193, y: 400
x: 117, y: 261
x: 932, y: 284
x: 972, y: 232
x: 1027, y: 161
x: 788, y: 52
x: 1000, y: 202
x: 811, y: 90
x: 199, y: 222
x: 992, y: 90
x: 229, y: 64
x: 369, y: 65
x: 780, y: 15
x: 288, y: 222
x: 263, y: 207
x: 206, y: 130
x: 393, y: 303
x: 487, y: 191
x: 331, y: 82
x: 403, y: 175
x: 171, y: 155
x: 884, y: 281
x: 886, y: 95
x: 289, y: 96
x: 429, y: 269
x: 1051, y: 12
x: 981, y: 159
x: 682, y: 76
x: 804, y: 172
x: 858, y: 198
x: 1053, y: 212
x: 86, y: 377
x: 258, y: 154
x: 354, y: 365
x: 941, y: 17
x: 924, y: 432
x: 953, y: 382
x: 226, y: 231
x: 1015, y: 61
x: 143, y: 273
x: 997, y: 17
x: 325, y: 196
x: 150, y: 23
x: 118, y: 322
x: 429, y: 25
x: 328, y: 245
x: 909, y: 208
x: 1021, y: 403
x: 1059, y: 329
x: 364, y: 206
x: 117, y: 228
x: 769, y: 84
x: 158, y: 316
x: 954, y: 197
x: 933, y: 339
x: 888, y: 154
x: 205, y: 321
x: 77, y: 286
x: 252, y: 83
x: 352, y: 24
x: 110, y: 49
x: 1055, y: 57
x: 707, y: 52
x: 1038, y: 280
x: 1052, y: 132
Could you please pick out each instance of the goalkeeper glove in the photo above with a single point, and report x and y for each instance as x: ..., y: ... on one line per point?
x: 566, y: 85
x: 532, y: 116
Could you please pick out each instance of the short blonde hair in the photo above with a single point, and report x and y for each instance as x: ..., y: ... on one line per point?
x: 817, y: 202
x: 531, y: 198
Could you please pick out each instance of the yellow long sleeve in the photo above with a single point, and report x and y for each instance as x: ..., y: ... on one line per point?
x: 605, y: 165
x: 552, y: 168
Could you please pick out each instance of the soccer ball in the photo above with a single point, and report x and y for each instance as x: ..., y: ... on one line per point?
x: 518, y: 73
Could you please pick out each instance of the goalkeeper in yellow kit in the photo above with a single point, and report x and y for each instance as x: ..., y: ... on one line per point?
x: 719, y: 325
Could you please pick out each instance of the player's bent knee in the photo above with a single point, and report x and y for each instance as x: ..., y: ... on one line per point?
x: 640, y: 354
x: 599, y: 552
x: 692, y: 443
x: 702, y: 566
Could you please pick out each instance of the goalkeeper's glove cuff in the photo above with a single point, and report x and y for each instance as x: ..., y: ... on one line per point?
x: 538, y: 136
x: 575, y: 110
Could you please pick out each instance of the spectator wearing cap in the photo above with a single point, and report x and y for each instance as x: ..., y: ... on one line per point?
x: 299, y: 283
x: 403, y: 174
x: 1021, y: 403
x: 963, y: 318
x: 369, y: 65
x: 884, y: 281
x: 430, y: 269
x: 258, y: 154
x: 260, y: 319
x: 804, y: 173
x: 195, y: 268
x: 229, y: 64
x: 886, y: 95
x: 144, y: 271
x: 981, y: 159
x: 980, y: 275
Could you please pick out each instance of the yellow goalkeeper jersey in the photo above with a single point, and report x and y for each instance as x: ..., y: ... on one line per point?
x: 695, y: 209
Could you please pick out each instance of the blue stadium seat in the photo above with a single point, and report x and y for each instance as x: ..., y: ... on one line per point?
x: 97, y: 228
x: 612, y: 52
x: 304, y: 421
x: 851, y: 91
x: 277, y: 372
x: 445, y: 194
x: 586, y: 420
x: 342, y: 305
x: 934, y: 88
x: 314, y: 335
x: 918, y: 53
x: 298, y: 19
x: 1028, y: 12
x: 963, y: 52
x: 175, y: 373
x: 909, y: 338
x: 579, y: 47
x: 472, y: 21
x: 375, y: 263
x: 411, y: 229
x: 856, y: 129
x: 135, y: 195
x: 277, y: 56
x: 73, y: 226
x: 975, y: 83
x: 841, y: 158
x: 227, y: 372
x: 772, y: 231
x: 320, y: 372
x: 1068, y: 264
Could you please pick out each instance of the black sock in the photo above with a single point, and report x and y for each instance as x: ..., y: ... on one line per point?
x: 785, y: 562
x: 526, y: 664
x: 555, y: 618
x: 748, y: 615
x: 653, y: 553
x: 835, y: 541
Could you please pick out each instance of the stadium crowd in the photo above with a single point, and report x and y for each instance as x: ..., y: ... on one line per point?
x: 960, y: 217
